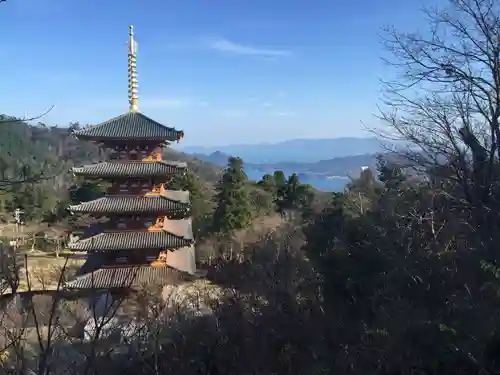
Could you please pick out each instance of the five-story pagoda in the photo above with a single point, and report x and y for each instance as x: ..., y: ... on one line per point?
x: 148, y: 236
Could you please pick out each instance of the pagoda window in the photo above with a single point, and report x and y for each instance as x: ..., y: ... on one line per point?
x: 121, y: 260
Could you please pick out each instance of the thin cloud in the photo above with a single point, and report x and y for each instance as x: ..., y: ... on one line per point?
x: 234, y: 113
x: 226, y: 46
x: 284, y: 114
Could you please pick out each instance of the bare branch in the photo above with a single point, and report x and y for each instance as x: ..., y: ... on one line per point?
x: 11, y: 120
x: 445, y: 99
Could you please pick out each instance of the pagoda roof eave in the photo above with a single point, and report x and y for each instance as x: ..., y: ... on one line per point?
x: 126, y: 276
x: 124, y: 140
x: 132, y: 204
x: 131, y: 169
x: 126, y: 241
x: 130, y: 126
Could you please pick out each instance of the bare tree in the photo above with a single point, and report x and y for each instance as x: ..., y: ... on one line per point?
x: 9, y: 270
x: 38, y: 327
x: 446, y: 98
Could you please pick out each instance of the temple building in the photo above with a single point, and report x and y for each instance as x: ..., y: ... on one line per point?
x: 146, y: 236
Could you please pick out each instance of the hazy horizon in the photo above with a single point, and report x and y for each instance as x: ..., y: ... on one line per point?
x: 181, y: 145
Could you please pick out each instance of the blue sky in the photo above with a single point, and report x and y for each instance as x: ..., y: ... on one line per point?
x: 224, y: 71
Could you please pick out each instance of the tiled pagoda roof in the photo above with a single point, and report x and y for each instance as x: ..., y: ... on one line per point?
x: 131, y: 169
x: 117, y: 241
x: 130, y: 126
x: 127, y: 276
x: 129, y: 204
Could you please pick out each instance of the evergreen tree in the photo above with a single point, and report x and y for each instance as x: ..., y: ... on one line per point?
x: 268, y: 183
x: 190, y: 183
x: 279, y: 179
x: 288, y: 194
x: 280, y: 184
x: 390, y: 174
x: 233, y: 209
x: 200, y: 206
x: 86, y: 191
x: 297, y: 196
x: 292, y: 192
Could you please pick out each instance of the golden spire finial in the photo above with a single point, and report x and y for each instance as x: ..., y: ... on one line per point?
x: 132, y: 73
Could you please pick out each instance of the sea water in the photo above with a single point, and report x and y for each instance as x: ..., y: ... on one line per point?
x: 333, y: 184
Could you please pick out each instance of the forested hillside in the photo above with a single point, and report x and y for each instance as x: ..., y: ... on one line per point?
x: 41, y: 156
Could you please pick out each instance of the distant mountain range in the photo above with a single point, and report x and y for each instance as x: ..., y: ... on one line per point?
x: 341, y: 166
x: 296, y: 150
x: 326, y: 164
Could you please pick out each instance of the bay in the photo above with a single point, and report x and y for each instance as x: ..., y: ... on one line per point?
x: 332, y: 184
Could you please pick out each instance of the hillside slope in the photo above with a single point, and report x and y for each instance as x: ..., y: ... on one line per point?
x: 41, y: 144
x: 45, y: 156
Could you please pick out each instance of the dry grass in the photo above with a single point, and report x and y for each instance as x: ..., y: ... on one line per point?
x: 44, y: 273
x: 260, y: 228
x: 12, y: 231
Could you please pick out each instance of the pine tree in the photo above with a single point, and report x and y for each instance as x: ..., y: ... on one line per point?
x: 297, y: 196
x: 280, y: 184
x: 233, y: 209
x: 292, y: 192
x: 190, y: 183
x: 268, y: 183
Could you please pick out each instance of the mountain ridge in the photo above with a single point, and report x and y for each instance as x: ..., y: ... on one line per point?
x: 340, y: 166
x: 296, y: 150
